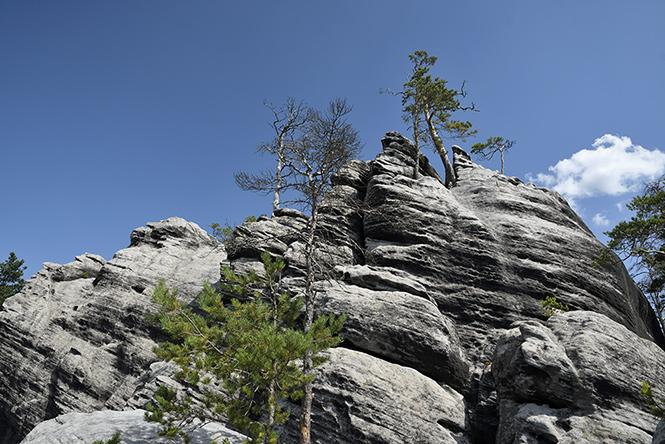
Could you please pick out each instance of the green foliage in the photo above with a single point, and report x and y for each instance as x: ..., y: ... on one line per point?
x: 492, y: 146
x: 251, y: 345
x: 115, y: 439
x: 642, y: 239
x: 424, y: 95
x: 657, y: 408
x: 551, y: 306
x: 429, y: 107
x: 172, y: 412
x: 226, y: 233
x: 11, y: 277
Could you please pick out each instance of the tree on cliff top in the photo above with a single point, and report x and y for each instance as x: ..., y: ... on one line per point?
x: 429, y: 106
x: 427, y: 102
x: 642, y: 238
x: 11, y: 277
x: 289, y: 120
x: 492, y: 146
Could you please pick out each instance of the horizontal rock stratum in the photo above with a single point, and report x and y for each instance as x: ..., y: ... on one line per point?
x: 445, y: 342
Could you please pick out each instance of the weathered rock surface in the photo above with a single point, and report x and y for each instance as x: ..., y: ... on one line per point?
x: 76, y: 339
x: 85, y: 428
x: 359, y: 399
x: 400, y: 327
x: 659, y: 436
x: 575, y: 379
x: 445, y: 340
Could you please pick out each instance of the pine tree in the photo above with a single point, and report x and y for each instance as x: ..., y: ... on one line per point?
x: 492, y: 146
x: 428, y: 107
x: 642, y: 239
x: 429, y: 101
x: 251, y: 345
x: 11, y: 277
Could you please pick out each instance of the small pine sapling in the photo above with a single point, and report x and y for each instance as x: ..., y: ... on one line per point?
x: 551, y: 306
x: 115, y: 439
x: 657, y: 408
x: 226, y: 233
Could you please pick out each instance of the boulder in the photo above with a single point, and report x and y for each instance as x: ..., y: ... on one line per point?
x: 85, y: 428
x: 399, y: 327
x: 575, y: 379
x: 362, y: 399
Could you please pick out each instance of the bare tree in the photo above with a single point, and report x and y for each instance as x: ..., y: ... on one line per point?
x: 325, y: 144
x: 289, y: 119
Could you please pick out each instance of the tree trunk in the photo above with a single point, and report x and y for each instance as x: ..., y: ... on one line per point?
x: 306, y: 403
x: 451, y: 177
x: 416, y: 141
x: 278, y: 174
x: 308, y: 364
x: 502, y: 164
x: 271, y: 401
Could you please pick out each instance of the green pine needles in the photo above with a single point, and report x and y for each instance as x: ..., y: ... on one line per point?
x: 551, y: 306
x: 11, y: 277
x: 251, y: 345
x: 226, y: 233
x: 657, y: 408
x: 115, y: 439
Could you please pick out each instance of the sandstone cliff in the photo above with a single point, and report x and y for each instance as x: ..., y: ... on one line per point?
x: 445, y: 341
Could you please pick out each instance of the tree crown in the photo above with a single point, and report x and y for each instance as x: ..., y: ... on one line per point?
x: 11, y: 276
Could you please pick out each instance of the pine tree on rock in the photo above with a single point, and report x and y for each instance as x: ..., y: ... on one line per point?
x: 251, y: 345
x: 290, y: 119
x: 430, y: 103
x: 642, y: 239
x: 11, y: 277
x: 492, y: 146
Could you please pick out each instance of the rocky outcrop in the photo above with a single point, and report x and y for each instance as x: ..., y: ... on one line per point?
x: 445, y: 340
x: 575, y: 379
x: 441, y: 274
x: 363, y: 399
x: 76, y: 339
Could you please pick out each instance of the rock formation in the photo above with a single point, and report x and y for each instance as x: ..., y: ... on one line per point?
x: 445, y: 340
x: 76, y: 340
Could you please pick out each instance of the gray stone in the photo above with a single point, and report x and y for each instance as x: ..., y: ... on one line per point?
x: 531, y: 366
x: 445, y: 342
x: 659, y: 435
x: 400, y: 328
x: 575, y: 379
x: 362, y: 399
x: 84, y: 428
x: 74, y: 343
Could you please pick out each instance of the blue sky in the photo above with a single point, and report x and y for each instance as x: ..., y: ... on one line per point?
x: 117, y: 113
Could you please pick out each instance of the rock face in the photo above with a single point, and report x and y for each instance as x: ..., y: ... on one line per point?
x: 445, y: 340
x: 575, y: 379
x: 75, y: 339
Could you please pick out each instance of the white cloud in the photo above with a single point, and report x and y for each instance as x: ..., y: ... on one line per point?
x: 601, y: 220
x: 615, y: 166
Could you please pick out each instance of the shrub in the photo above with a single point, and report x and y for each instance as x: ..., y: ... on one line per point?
x: 551, y: 306
x: 657, y: 408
